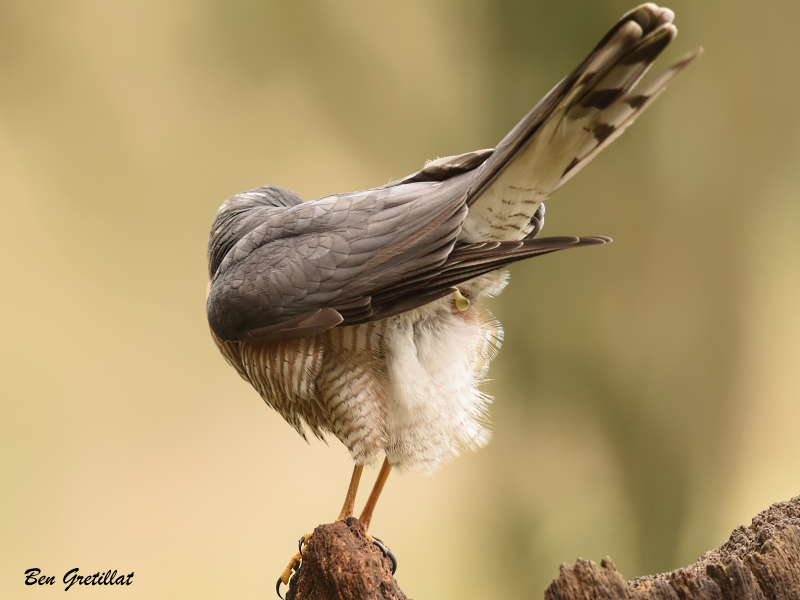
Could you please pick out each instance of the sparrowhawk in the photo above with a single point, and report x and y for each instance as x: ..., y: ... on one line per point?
x: 357, y: 314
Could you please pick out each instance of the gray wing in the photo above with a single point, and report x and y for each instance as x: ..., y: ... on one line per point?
x: 290, y: 272
x: 466, y: 262
x: 286, y: 272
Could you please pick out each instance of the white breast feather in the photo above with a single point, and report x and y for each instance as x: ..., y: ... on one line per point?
x: 435, y: 359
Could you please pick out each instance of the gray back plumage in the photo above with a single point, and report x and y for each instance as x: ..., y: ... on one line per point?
x: 282, y: 268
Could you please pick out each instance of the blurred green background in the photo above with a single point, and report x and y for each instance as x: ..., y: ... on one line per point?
x: 646, y: 394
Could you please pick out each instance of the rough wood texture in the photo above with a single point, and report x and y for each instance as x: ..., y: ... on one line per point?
x: 759, y: 562
x: 339, y: 562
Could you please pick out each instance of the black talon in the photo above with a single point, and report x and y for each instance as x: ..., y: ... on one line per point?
x: 393, y: 558
x: 278, y: 588
x: 300, y: 544
x: 386, y: 552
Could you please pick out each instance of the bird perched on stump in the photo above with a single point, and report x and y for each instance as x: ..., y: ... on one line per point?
x: 358, y: 314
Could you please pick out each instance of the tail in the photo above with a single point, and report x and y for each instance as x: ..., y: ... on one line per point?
x: 584, y: 113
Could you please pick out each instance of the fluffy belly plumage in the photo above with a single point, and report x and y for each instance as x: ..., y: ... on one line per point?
x: 406, y: 387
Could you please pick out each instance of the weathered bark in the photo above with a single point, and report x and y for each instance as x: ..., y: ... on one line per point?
x: 339, y: 562
x: 759, y: 562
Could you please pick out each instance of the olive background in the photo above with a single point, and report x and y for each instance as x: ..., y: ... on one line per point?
x: 646, y: 392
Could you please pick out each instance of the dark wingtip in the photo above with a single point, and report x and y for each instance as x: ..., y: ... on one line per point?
x: 596, y: 240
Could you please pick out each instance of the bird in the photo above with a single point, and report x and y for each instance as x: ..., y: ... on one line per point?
x: 359, y: 314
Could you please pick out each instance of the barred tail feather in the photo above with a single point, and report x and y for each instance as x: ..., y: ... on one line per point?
x: 582, y: 115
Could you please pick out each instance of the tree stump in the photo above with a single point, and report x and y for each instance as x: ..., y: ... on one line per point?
x: 339, y: 562
x: 759, y: 562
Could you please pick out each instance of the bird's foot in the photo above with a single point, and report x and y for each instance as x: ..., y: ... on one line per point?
x: 294, y: 564
x: 386, y: 552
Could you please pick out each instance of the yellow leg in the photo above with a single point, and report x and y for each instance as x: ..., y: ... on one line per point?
x: 347, y: 511
x: 369, y: 507
x: 350, y: 499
